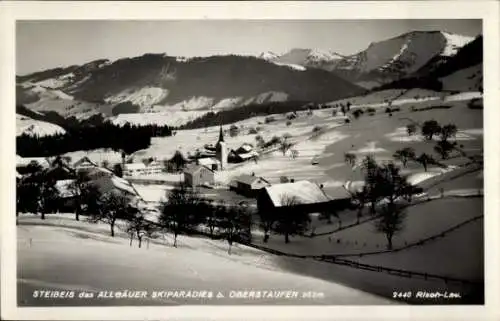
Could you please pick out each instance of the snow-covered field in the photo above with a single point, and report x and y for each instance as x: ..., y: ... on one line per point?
x: 29, y: 126
x: 422, y: 221
x: 167, y: 117
x: 93, y: 261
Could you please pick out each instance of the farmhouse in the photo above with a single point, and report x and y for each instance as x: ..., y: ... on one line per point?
x: 302, y: 195
x: 134, y: 169
x: 153, y: 167
x: 248, y: 185
x: 84, y: 163
x: 66, y: 195
x: 115, y: 184
x: 197, y: 175
x: 243, y: 153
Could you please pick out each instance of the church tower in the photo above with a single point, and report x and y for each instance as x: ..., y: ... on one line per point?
x: 221, y: 150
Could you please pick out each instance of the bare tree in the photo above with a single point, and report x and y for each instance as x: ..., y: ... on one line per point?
x: 290, y: 220
x: 350, y: 158
x: 139, y: 227
x: 285, y: 145
x: 424, y: 160
x: 180, y: 211
x: 448, y: 131
x: 113, y: 205
x: 77, y: 187
x: 390, y: 222
x: 235, y: 223
x: 430, y: 128
x: 404, y: 155
x: 295, y: 153
x: 359, y: 199
x: 444, y: 148
x: 411, y: 129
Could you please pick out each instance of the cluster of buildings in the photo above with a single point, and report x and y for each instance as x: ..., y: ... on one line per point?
x: 200, y: 171
x: 66, y: 174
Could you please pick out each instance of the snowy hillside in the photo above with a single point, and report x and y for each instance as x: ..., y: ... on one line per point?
x: 28, y: 126
x: 468, y: 79
x: 144, y: 97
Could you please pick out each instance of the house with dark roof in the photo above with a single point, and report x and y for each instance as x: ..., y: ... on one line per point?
x: 248, y: 185
x: 197, y: 175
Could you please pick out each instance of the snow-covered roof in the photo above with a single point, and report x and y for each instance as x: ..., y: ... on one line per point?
x: 84, y: 160
x: 208, y: 161
x: 249, y: 179
x: 248, y: 155
x: 246, y: 147
x: 123, y: 185
x: 134, y: 166
x: 304, y: 191
x: 154, y: 164
x: 64, y: 187
x: 109, y: 183
x: 25, y: 161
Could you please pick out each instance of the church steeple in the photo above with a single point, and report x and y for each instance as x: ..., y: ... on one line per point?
x: 221, y: 135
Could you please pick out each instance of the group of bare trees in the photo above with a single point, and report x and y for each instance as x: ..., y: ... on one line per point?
x: 431, y: 129
x: 185, y: 211
x: 386, y: 191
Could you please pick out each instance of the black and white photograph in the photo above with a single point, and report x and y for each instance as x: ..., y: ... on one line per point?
x: 275, y: 162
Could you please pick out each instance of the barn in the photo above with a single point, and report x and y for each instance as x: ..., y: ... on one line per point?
x: 302, y: 196
x: 197, y: 175
x: 248, y: 185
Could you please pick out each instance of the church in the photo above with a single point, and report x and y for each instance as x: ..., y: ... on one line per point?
x: 219, y: 162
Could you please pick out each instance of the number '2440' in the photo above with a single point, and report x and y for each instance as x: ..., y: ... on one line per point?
x: 401, y: 295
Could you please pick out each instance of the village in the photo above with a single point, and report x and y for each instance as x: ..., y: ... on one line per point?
x: 201, y: 172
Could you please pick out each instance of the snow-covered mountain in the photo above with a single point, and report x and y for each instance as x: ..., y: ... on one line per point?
x: 164, y: 84
x: 314, y: 58
x: 29, y: 126
x: 161, y: 83
x: 395, y: 58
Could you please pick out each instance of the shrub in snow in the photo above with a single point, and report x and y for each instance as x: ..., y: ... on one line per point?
x: 288, y: 123
x: 284, y: 179
x: 357, y: 113
x: 252, y: 131
x: 317, y: 129
x: 234, y: 131
x: 269, y: 119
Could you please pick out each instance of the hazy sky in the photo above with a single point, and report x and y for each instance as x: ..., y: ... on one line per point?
x: 48, y: 44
